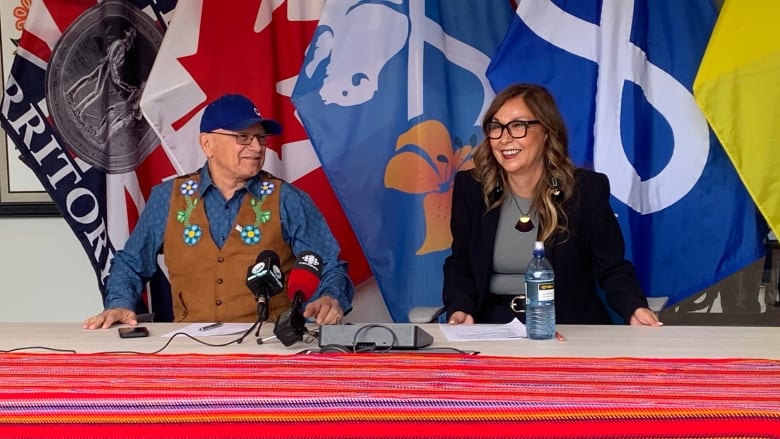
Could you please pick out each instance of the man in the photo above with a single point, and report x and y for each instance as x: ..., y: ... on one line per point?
x: 213, y: 223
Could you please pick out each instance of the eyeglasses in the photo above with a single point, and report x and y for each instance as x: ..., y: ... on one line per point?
x: 246, y: 138
x: 517, y: 129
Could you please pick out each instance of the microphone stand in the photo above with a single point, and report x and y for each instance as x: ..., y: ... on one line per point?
x: 258, y: 323
x: 262, y: 315
x: 262, y: 311
x: 262, y: 306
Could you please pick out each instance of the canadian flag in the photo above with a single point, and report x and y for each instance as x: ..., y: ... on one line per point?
x: 255, y: 48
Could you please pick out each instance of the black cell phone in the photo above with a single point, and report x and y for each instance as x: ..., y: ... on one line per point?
x: 133, y: 332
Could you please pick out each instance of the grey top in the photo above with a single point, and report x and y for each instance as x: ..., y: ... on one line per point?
x: 513, y: 249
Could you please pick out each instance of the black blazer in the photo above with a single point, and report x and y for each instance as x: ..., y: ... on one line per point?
x: 592, y: 251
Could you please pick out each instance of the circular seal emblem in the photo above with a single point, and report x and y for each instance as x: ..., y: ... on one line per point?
x: 94, y: 81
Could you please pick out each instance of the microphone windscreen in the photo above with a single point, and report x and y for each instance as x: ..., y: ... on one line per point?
x: 271, y: 256
x: 305, y: 275
x: 310, y: 261
x: 265, y: 274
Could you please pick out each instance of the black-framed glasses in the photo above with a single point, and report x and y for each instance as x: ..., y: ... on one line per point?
x: 246, y: 138
x: 516, y: 128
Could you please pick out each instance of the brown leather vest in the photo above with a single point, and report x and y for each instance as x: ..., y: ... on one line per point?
x: 208, y: 284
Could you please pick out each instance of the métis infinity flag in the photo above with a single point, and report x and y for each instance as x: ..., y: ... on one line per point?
x: 254, y: 48
x: 622, y: 72
x: 738, y: 88
x: 391, y: 94
x: 71, y: 107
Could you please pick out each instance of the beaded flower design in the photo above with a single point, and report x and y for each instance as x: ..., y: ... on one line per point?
x: 250, y: 233
x: 192, y: 232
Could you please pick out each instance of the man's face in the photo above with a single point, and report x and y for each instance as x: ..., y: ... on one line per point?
x: 229, y: 159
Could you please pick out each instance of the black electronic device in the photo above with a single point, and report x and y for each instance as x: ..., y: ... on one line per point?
x: 265, y: 275
x: 133, y: 332
x: 303, y: 281
x: 290, y: 326
x: 379, y: 336
x: 264, y: 279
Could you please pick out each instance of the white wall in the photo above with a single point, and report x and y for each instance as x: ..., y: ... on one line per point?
x: 46, y: 276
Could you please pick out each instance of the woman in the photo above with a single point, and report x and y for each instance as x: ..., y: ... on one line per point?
x: 524, y: 188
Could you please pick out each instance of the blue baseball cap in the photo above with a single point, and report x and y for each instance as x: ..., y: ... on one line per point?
x: 235, y: 112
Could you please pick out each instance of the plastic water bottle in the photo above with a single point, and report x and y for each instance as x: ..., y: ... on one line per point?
x: 539, y: 296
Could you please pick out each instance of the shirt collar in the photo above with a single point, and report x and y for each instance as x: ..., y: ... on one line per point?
x: 253, y: 186
x: 205, y: 180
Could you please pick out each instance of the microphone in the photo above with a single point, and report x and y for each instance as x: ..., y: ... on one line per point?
x: 304, y: 278
x: 265, y: 279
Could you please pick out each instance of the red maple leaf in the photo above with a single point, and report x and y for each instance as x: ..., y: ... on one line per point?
x: 234, y: 58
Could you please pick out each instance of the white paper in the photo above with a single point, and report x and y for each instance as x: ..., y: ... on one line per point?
x: 224, y: 329
x: 508, y: 331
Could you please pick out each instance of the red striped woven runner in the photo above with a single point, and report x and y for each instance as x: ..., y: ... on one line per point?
x: 384, y: 395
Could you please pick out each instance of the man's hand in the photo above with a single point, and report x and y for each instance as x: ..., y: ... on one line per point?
x: 326, y: 310
x: 108, y: 317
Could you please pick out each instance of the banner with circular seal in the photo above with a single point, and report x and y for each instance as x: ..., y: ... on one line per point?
x: 71, y: 106
x: 94, y: 82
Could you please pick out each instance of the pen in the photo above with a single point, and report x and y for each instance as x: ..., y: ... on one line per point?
x: 210, y: 327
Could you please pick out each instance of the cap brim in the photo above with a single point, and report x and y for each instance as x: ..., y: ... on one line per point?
x: 269, y: 125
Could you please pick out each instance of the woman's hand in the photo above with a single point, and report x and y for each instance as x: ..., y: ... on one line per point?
x: 460, y: 317
x: 645, y: 317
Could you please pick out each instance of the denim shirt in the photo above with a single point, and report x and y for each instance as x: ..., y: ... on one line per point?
x: 303, y: 228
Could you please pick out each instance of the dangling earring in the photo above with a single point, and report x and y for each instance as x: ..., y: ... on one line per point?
x: 554, y: 185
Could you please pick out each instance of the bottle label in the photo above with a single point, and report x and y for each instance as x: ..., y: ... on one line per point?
x: 547, y: 292
x: 543, y: 291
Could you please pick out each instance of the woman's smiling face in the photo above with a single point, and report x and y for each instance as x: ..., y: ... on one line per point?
x: 518, y: 156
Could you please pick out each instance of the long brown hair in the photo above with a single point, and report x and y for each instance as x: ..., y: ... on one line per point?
x: 558, y: 167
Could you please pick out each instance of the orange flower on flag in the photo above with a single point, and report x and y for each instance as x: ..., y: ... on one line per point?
x: 426, y: 162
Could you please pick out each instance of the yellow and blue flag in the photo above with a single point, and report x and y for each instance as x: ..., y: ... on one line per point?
x: 738, y: 88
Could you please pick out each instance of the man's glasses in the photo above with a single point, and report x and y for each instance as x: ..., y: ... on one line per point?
x: 516, y: 128
x: 246, y: 138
